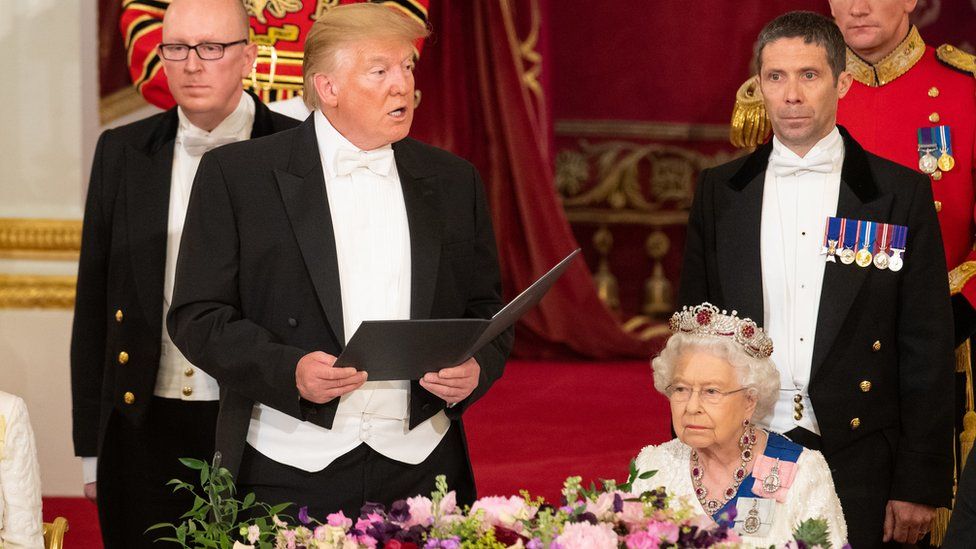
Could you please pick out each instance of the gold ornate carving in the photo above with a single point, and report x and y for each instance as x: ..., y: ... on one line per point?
x: 276, y: 8
x: 750, y: 126
x: 36, y: 292
x: 895, y: 64
x: 40, y: 238
x: 955, y: 57
x: 323, y: 6
x: 959, y: 276
x: 528, y: 61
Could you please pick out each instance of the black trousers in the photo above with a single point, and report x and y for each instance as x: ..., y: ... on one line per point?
x: 863, y: 485
x: 136, y: 463
x: 360, y: 476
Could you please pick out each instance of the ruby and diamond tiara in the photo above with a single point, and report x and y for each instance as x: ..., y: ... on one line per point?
x: 707, y: 320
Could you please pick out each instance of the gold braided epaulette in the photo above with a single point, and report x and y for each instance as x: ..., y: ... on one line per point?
x: 959, y: 276
x: 957, y: 58
x: 750, y: 126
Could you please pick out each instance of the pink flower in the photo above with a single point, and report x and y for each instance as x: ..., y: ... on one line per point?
x: 500, y: 511
x: 289, y: 538
x: 421, y: 512
x: 602, y: 508
x: 583, y: 535
x: 652, y: 535
x: 338, y: 520
x: 642, y: 539
x: 239, y: 545
x: 632, y: 515
x: 253, y: 533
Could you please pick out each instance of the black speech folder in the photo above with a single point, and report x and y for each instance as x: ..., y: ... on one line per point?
x: 408, y: 349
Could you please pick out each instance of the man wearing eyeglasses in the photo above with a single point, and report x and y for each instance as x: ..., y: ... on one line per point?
x: 138, y: 404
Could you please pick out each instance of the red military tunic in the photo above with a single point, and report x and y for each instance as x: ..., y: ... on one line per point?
x: 912, y: 88
x: 278, y: 27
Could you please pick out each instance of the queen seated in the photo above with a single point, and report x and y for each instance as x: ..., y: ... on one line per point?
x: 716, y: 372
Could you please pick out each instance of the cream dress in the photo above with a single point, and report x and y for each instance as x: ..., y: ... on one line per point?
x: 20, y: 478
x: 812, y: 494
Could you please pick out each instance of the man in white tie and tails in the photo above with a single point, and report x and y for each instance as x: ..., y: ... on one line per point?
x: 137, y: 404
x: 837, y: 254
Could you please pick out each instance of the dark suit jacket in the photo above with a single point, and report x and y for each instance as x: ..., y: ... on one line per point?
x: 258, y: 281
x: 123, y: 256
x: 908, y: 311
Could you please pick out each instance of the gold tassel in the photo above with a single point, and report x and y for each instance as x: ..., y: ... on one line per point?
x: 939, y: 525
x: 750, y: 127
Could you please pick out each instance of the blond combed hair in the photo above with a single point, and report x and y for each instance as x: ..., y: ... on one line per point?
x: 344, y: 25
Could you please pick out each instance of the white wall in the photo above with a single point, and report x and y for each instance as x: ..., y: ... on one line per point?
x: 48, y: 130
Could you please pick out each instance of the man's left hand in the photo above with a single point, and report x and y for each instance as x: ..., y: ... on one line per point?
x: 453, y: 384
x: 907, y: 522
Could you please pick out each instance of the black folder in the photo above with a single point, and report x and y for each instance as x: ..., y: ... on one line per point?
x: 408, y: 349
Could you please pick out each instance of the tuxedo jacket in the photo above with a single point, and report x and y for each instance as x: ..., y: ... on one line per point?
x: 119, y: 299
x: 910, y: 368
x: 257, y: 282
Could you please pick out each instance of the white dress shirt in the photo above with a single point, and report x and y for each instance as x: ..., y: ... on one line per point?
x: 795, y: 209
x: 372, y: 239
x: 176, y: 377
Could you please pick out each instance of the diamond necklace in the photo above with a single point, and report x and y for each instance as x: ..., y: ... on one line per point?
x: 711, y: 506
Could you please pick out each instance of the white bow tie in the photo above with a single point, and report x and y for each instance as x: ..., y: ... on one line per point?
x: 784, y: 166
x: 196, y: 145
x: 378, y: 162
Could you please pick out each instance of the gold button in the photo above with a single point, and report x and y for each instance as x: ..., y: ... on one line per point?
x: 188, y: 371
x: 123, y: 357
x: 876, y: 346
x: 933, y: 92
x: 937, y: 175
x: 865, y: 386
x: 187, y: 391
x: 129, y: 398
x: 855, y: 423
x: 934, y: 118
x: 949, y: 48
x: 938, y: 206
x: 118, y: 316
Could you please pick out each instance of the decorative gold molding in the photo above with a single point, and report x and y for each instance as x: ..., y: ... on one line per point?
x: 120, y: 103
x: 36, y: 292
x: 40, y: 238
x: 670, y: 131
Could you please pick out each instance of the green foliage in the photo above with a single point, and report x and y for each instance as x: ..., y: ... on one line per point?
x: 813, y: 532
x: 217, y: 517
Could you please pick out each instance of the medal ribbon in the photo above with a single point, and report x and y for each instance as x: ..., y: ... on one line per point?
x: 899, y: 238
x: 832, y: 233
x: 867, y: 241
x: 881, y: 245
x: 927, y: 141
x: 850, y: 237
x: 943, y: 139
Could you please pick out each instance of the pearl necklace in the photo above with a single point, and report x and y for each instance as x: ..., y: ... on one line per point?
x: 711, y: 506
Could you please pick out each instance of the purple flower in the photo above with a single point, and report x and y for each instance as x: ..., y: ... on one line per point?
x: 534, y: 543
x: 400, y: 511
x: 453, y: 542
x: 370, y: 508
x: 618, y: 503
x: 303, y: 515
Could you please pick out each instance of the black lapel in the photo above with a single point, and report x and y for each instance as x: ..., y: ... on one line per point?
x: 303, y: 192
x: 737, y: 229
x: 859, y: 199
x: 424, y: 219
x: 148, y: 178
x: 263, y: 121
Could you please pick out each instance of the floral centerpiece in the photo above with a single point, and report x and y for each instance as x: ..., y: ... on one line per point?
x: 607, y: 516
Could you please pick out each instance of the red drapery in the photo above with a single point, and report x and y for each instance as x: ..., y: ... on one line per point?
x: 484, y: 99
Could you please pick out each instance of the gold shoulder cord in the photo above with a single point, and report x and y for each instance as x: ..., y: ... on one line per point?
x: 956, y: 58
x: 750, y: 126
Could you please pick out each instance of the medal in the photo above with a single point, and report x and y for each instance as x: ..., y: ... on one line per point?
x: 752, y: 523
x: 898, y: 241
x: 946, y: 161
x: 850, y: 240
x: 927, y: 162
x: 832, y: 235
x: 772, y: 482
x: 881, y: 257
x: 864, y: 257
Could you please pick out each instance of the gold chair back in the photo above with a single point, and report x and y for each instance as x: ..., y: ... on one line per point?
x: 54, y: 533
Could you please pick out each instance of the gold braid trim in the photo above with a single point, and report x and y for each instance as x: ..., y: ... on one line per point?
x: 750, y: 126
x: 37, y: 292
x: 54, y: 238
x: 959, y: 276
x: 956, y: 58
x: 898, y: 62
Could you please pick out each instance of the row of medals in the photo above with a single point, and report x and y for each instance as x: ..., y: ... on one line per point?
x: 864, y: 258
x: 928, y: 163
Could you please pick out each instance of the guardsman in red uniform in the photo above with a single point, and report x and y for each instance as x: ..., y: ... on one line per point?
x: 915, y: 105
x: 278, y: 27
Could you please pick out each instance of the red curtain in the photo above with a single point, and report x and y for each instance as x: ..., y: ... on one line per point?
x: 484, y: 99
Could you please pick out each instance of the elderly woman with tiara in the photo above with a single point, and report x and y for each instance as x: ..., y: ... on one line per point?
x: 716, y: 372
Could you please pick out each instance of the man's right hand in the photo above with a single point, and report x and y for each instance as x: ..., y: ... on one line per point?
x: 319, y: 381
x: 91, y: 491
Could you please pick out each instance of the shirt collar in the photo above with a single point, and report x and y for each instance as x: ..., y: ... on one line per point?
x: 330, y: 142
x: 832, y: 144
x: 237, y: 122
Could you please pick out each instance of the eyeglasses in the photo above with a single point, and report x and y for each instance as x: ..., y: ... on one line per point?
x: 207, y: 51
x: 709, y: 395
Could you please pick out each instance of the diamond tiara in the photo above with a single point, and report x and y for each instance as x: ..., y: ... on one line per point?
x: 707, y: 320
